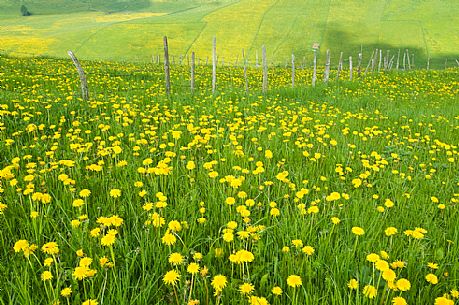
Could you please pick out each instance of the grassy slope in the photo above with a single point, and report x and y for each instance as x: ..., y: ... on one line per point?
x: 282, y: 25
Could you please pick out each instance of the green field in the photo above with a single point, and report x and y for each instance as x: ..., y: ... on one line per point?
x: 341, y: 194
x: 133, y: 30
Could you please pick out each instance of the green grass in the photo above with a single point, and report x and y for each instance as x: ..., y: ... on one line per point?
x: 283, y: 26
x: 396, y: 132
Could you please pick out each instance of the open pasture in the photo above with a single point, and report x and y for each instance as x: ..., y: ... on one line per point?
x: 133, y: 30
x: 339, y: 194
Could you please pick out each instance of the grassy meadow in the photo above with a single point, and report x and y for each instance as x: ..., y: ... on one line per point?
x: 133, y: 30
x: 338, y: 194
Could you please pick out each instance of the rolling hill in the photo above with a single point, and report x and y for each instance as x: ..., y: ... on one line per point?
x: 133, y: 30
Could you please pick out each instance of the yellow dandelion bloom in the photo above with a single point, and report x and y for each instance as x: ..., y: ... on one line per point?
x: 46, y: 276
x: 171, y: 278
x: 294, y: 281
x: 246, y: 288
x: 353, y: 284
x: 403, y: 284
x: 218, y: 283
x: 370, y: 291
x: 66, y: 292
x: 357, y: 231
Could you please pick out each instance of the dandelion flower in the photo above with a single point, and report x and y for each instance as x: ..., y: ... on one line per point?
x: 370, y: 291
x: 192, y: 268
x: 115, y: 193
x: 294, y: 281
x: 50, y: 248
x: 175, y: 259
x: 171, y: 277
x: 353, y: 284
x: 46, y: 276
x: 168, y: 239
x: 276, y: 290
x: 403, y: 284
x: 246, y: 288
x: 443, y: 301
x: 218, y: 283
x: 108, y: 240
x: 308, y: 250
x: 432, y: 278
x: 373, y: 257
x: 66, y: 292
x: 399, y: 301
x: 357, y: 231
x: 390, y: 231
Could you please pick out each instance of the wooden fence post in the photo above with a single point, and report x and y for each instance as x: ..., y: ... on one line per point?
x: 369, y: 63
x: 380, y: 60
x: 327, y: 67
x: 167, y: 66
x: 350, y: 68
x: 214, y: 65
x: 192, y: 71
x: 340, y: 65
x: 408, y: 59
x: 314, y: 73
x: 359, y: 67
x: 83, y: 81
x: 293, y: 70
x: 386, y: 60
x: 265, y: 70
x: 391, y: 62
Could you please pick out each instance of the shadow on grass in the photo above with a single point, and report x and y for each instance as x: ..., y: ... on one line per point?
x: 418, y: 57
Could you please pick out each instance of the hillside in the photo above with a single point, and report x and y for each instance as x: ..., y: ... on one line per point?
x: 133, y: 30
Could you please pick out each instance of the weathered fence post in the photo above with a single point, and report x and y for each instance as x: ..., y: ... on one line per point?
x: 314, y: 73
x: 380, y: 60
x: 373, y: 60
x: 265, y: 70
x: 293, y: 70
x: 386, y: 60
x: 256, y: 59
x: 192, y: 71
x: 327, y: 67
x: 340, y: 65
x: 398, y: 60
x: 167, y: 66
x: 83, y: 81
x: 404, y: 61
x: 408, y: 57
x: 369, y: 63
x: 428, y: 63
x: 391, y: 62
x: 214, y: 65
x: 350, y: 69
x: 359, y: 67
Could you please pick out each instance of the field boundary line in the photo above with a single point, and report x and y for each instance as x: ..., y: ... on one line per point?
x: 255, y: 37
x: 206, y: 24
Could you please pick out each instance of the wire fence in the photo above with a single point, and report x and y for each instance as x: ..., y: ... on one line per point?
x: 36, y: 69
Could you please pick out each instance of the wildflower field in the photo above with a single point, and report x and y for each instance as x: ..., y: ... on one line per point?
x: 339, y: 194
